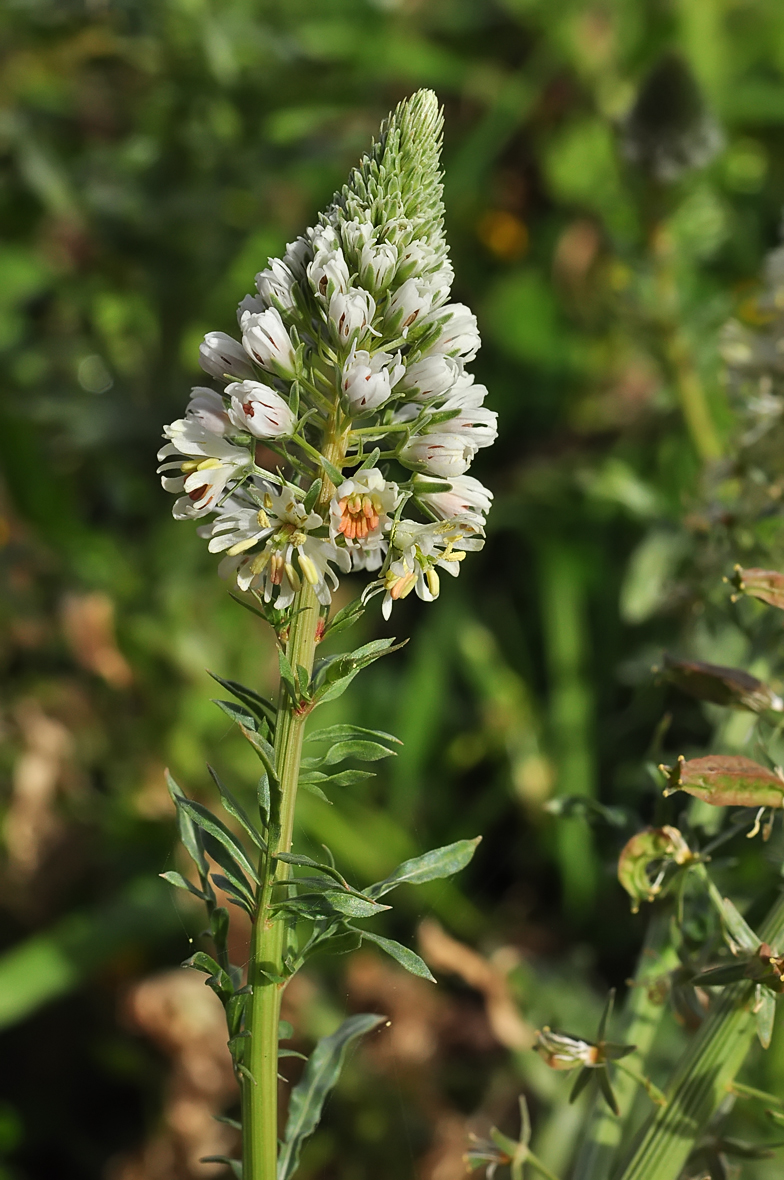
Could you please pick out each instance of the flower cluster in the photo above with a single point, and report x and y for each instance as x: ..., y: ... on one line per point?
x: 349, y: 380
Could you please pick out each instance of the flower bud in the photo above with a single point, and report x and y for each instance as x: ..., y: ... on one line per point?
x: 351, y: 314
x: 264, y: 337
x: 328, y: 273
x: 222, y: 356
x: 445, y: 455
x: 207, y: 407
x: 260, y: 410
x: 368, y: 380
x: 356, y: 235
x: 276, y: 282
x: 458, y: 333
x: 431, y: 376
x: 377, y: 266
x: 298, y: 254
x: 411, y: 301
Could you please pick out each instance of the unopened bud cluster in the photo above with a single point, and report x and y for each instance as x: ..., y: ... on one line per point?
x: 350, y: 345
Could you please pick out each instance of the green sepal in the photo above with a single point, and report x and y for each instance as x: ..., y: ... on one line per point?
x: 764, y: 1014
x: 440, y: 862
x: 607, y: 1091
x: 580, y: 1082
x: 739, y: 931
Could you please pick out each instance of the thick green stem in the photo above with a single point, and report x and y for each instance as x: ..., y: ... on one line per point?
x: 702, y: 1078
x: 642, y: 1016
x: 268, y: 939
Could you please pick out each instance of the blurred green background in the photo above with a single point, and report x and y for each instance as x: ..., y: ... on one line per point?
x: 152, y: 155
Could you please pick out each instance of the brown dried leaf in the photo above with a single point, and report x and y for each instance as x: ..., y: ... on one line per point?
x: 766, y: 585
x: 722, y: 686
x: 726, y: 780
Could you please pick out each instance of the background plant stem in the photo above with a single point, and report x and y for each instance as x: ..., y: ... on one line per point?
x: 701, y: 1080
x: 642, y: 1017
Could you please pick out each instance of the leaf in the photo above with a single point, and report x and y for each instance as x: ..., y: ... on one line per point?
x: 189, y: 834
x: 726, y: 780
x: 312, y: 789
x: 258, y: 705
x: 285, y: 1030
x: 329, y: 903
x: 345, y: 618
x: 440, y: 862
x: 344, y: 778
x: 765, y: 1015
x: 287, y: 677
x: 181, y: 882
x: 235, y: 895
x: 722, y: 686
x: 766, y: 585
x: 580, y: 1082
x: 354, y: 748
x: 721, y: 976
x: 238, y: 713
x: 607, y: 1091
x: 401, y: 954
x: 738, y: 929
x: 238, y: 812
x: 264, y: 751
x: 235, y: 1165
x: 217, y: 977
x: 319, y: 1078
x: 312, y: 495
x: 606, y: 1015
x: 339, y: 733
x: 210, y: 823
x: 305, y: 862
x: 334, y: 474
x: 342, y: 670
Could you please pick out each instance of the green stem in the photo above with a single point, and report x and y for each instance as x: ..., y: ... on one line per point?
x: 641, y: 1019
x: 268, y: 938
x: 702, y: 1078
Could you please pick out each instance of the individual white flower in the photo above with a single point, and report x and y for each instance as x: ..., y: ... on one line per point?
x: 356, y: 235
x: 442, y: 454
x: 422, y: 549
x: 367, y: 381
x: 351, y: 314
x: 266, y: 340
x: 276, y: 283
x: 473, y: 422
x: 328, y: 273
x: 212, y: 464
x: 432, y: 376
x: 323, y: 238
x: 466, y: 497
x: 360, y: 511
x: 288, y: 555
x: 410, y: 301
x: 298, y: 255
x: 458, y: 335
x: 439, y: 283
x: 257, y: 408
x: 208, y: 407
x: 416, y: 257
x: 252, y: 304
x: 224, y: 357
x: 377, y: 265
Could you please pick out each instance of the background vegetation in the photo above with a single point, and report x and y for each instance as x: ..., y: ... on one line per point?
x: 152, y: 154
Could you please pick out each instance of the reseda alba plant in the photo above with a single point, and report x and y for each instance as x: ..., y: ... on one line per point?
x: 351, y: 370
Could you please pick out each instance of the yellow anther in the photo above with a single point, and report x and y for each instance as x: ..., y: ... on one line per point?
x: 308, y: 567
x: 262, y: 518
x: 241, y: 546
x: 188, y: 466
x: 293, y: 576
x: 433, y: 583
x: 208, y: 464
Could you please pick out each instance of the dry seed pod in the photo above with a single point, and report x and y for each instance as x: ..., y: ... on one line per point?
x: 722, y: 686
x: 726, y: 780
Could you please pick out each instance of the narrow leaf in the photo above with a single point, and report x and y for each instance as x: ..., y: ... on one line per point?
x: 264, y: 751
x: 238, y: 812
x: 580, y: 1082
x: 308, y: 1097
x: 738, y: 929
x: 440, y: 862
x: 401, y: 954
x: 259, y: 705
x: 765, y: 1014
x: 189, y: 834
x: 235, y: 896
x: 235, y: 1165
x: 287, y: 676
x: 181, y: 882
x: 210, y: 823
x: 343, y: 778
x: 339, y: 733
x: 334, y: 474
x: 345, y: 618
x: 305, y: 862
x: 238, y: 713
